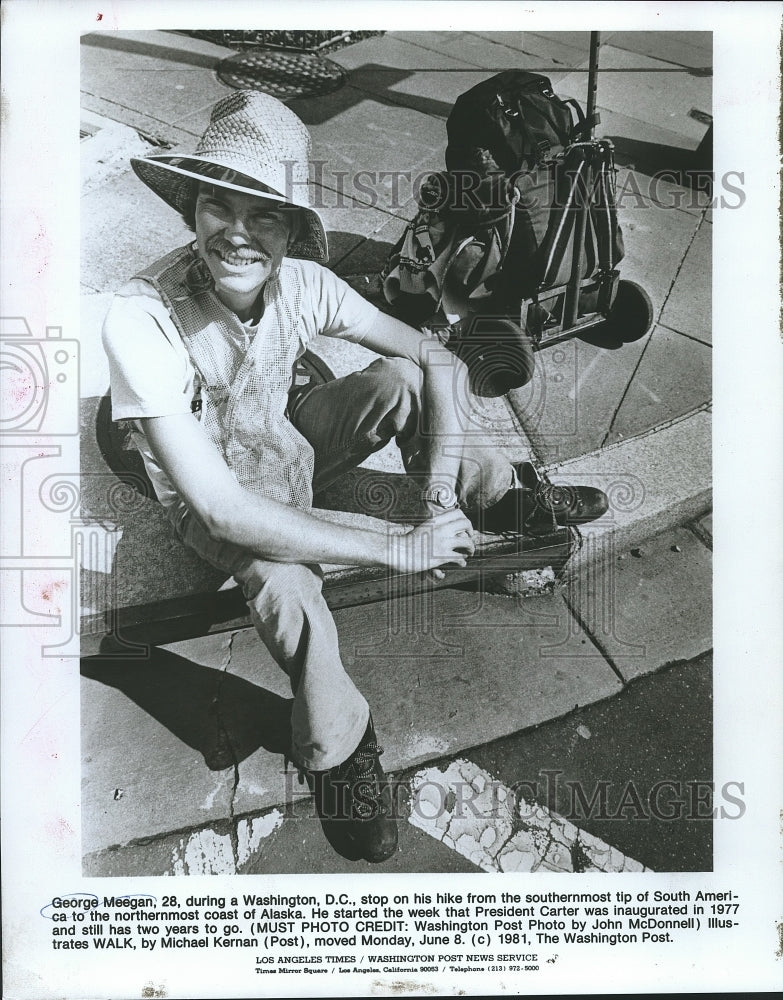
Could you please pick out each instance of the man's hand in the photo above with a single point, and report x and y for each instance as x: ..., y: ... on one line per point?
x: 272, y: 530
x: 447, y: 538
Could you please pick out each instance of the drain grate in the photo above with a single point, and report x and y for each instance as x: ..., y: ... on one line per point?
x: 284, y: 75
x: 294, y: 41
x: 700, y: 116
x: 88, y: 129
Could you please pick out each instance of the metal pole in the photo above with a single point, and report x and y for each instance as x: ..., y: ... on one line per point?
x: 592, y: 79
x: 571, y: 306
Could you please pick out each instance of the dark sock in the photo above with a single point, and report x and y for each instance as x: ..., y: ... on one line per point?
x: 505, y: 514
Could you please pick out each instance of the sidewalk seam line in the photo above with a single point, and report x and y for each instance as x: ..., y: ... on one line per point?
x: 584, y: 626
x: 355, y: 204
x: 468, y: 62
x: 650, y: 432
x: 682, y: 333
x: 651, y: 202
x: 233, y: 831
x: 522, y: 433
x: 134, y: 111
x: 544, y: 38
x: 382, y: 97
x: 627, y: 389
x: 461, y: 62
x: 641, y: 121
x: 670, y: 62
x: 657, y: 324
x: 680, y: 266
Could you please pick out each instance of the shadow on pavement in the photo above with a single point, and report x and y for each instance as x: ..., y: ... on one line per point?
x: 688, y: 167
x: 374, y: 82
x: 104, y: 40
x: 224, y: 717
x: 390, y: 496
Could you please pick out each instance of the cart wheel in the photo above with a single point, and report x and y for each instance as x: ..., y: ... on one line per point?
x: 119, y: 454
x: 497, y: 353
x: 629, y: 319
x: 314, y: 368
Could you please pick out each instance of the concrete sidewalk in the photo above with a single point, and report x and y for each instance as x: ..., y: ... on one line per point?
x: 184, y: 750
x: 634, y: 421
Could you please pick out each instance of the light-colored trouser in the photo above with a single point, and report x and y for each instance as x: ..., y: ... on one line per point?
x: 345, y: 421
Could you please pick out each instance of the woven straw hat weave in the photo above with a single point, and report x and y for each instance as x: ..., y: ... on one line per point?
x: 253, y: 144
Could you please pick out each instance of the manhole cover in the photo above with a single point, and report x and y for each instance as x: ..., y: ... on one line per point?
x: 293, y: 41
x: 284, y: 75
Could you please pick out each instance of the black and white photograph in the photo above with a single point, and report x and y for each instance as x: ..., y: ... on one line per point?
x: 374, y: 405
x: 513, y: 600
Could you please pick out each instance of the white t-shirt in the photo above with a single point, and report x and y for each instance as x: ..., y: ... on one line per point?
x: 150, y: 369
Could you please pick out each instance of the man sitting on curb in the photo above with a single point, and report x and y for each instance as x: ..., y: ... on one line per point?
x: 201, y: 347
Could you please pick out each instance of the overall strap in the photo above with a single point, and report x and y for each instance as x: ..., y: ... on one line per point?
x: 245, y: 388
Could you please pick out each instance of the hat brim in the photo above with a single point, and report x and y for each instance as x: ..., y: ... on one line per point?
x: 171, y: 177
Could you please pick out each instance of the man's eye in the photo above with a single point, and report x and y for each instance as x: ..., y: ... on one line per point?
x: 272, y: 218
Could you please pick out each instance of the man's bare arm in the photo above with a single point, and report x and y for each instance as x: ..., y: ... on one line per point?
x: 394, y: 339
x: 275, y: 531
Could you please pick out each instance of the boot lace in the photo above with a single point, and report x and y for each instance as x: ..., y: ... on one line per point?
x: 556, y: 498
x: 359, y: 769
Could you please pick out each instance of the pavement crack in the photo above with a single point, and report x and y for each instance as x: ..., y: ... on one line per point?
x: 449, y: 821
x: 227, y: 750
x: 518, y: 825
x: 580, y: 859
x: 543, y: 840
x: 230, y: 649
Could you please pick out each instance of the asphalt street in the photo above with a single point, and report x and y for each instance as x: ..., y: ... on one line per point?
x: 634, y: 771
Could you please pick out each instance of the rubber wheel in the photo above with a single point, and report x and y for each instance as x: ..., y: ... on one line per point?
x: 498, y: 355
x: 630, y: 319
x: 126, y: 463
x: 315, y: 367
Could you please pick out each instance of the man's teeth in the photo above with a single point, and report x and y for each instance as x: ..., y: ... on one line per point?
x: 239, y: 258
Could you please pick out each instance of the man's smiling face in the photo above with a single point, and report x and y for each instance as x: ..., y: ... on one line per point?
x: 242, y: 239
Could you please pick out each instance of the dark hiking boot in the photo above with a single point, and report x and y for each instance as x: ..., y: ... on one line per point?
x: 538, y: 508
x: 356, y: 793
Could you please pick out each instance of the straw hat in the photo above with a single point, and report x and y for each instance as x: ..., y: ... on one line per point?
x: 253, y: 144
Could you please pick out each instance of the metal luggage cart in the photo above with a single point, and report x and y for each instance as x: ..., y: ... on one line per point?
x: 619, y: 311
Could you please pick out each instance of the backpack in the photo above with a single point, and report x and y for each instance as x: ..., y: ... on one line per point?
x: 514, y: 118
x: 503, y: 230
x: 451, y: 254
